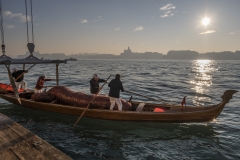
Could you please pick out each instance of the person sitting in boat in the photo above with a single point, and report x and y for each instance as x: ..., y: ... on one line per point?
x: 40, y: 83
x: 114, y: 92
x: 94, y: 84
x: 18, y: 76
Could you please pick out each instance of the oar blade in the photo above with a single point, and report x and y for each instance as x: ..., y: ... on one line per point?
x: 19, y: 101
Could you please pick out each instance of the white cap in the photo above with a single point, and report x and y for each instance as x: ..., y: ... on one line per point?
x: 14, y: 69
x: 95, y: 75
x: 44, y: 76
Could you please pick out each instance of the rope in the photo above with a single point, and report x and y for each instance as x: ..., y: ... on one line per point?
x: 31, y: 21
x: 2, y: 30
x: 1, y: 25
x: 26, y: 20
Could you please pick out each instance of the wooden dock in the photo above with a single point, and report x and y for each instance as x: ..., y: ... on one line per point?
x: 16, y: 143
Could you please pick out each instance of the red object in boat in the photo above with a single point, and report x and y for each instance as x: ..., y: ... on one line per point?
x: 9, y: 88
x: 159, y: 109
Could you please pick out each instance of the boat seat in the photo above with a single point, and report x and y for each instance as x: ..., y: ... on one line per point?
x: 140, y: 107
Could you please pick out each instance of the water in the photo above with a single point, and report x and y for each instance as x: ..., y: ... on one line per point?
x: 202, y: 81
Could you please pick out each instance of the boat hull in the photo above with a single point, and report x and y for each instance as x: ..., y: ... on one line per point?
x: 176, y: 114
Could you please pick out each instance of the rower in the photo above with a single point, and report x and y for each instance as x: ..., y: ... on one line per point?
x: 18, y: 76
x: 40, y: 83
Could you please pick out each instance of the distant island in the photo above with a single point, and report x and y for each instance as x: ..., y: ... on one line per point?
x: 128, y: 54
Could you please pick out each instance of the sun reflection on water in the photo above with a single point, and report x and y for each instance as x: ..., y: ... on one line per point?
x: 202, y: 79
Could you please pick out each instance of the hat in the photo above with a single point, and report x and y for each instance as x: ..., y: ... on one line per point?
x: 95, y: 75
x: 44, y: 76
x: 14, y: 69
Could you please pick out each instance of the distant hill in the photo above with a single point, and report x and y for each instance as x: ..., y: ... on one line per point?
x: 187, y: 54
x: 128, y: 54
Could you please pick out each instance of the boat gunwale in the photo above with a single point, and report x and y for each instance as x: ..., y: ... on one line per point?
x: 206, y: 108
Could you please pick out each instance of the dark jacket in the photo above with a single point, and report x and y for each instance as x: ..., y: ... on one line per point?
x: 115, y: 87
x: 18, y: 73
x: 94, y: 85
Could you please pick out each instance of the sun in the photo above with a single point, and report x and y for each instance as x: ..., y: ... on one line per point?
x: 205, y: 21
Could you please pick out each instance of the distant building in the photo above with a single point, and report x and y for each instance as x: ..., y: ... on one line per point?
x: 128, y: 54
x: 127, y: 50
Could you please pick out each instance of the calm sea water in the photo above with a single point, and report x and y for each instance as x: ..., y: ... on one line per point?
x: 202, y: 81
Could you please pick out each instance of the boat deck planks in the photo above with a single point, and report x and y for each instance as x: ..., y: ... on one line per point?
x: 16, y: 142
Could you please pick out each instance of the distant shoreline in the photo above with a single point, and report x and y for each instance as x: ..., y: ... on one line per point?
x: 128, y: 54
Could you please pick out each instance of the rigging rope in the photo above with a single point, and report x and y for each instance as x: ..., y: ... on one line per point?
x: 26, y: 20
x: 2, y: 30
x: 32, y: 22
x: 30, y: 46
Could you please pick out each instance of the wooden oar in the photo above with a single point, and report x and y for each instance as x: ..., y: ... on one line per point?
x: 20, y: 76
x: 145, y: 96
x: 91, y: 102
x: 13, y: 85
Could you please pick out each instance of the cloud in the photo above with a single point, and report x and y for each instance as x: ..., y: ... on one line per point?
x: 139, y: 28
x: 234, y: 32
x: 84, y: 21
x: 167, y: 14
x: 167, y: 10
x: 99, y: 19
x: 9, y: 26
x: 167, y: 7
x: 117, y: 29
x: 208, y: 32
x: 19, y: 16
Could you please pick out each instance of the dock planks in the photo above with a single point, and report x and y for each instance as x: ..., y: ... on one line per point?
x: 16, y: 142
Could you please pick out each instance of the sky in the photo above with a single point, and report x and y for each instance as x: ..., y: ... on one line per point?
x: 110, y: 26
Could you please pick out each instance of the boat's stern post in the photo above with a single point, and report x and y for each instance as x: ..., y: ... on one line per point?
x: 227, y: 95
x: 57, y: 80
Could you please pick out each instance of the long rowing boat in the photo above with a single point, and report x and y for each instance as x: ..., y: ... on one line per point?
x: 149, y: 112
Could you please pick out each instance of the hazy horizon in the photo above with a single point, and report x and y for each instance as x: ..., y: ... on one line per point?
x: 110, y: 26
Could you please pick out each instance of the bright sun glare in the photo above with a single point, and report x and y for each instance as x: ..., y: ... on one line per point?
x: 205, y: 21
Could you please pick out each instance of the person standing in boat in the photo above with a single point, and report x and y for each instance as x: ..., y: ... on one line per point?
x: 18, y: 76
x: 40, y: 83
x: 94, y: 84
x: 114, y: 92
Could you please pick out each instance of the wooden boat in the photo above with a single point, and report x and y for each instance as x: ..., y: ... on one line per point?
x: 167, y: 114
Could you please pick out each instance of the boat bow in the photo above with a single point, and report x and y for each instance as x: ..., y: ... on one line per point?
x: 227, y: 95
